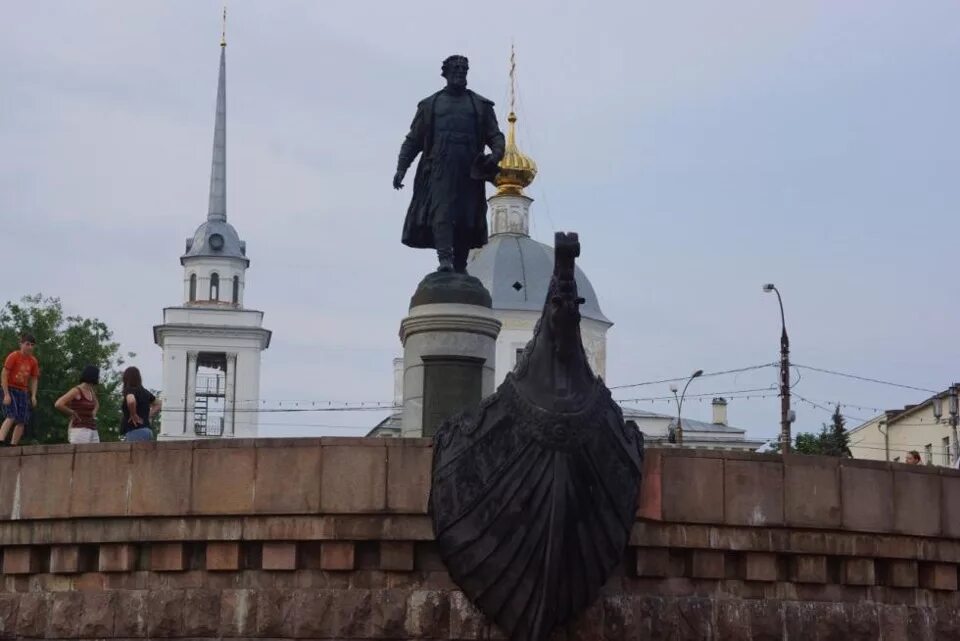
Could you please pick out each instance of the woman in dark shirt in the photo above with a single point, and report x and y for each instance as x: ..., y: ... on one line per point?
x: 138, y: 407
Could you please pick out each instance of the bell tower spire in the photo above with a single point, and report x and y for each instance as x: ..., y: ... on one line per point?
x: 217, y: 212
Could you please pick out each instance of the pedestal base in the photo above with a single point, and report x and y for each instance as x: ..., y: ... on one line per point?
x: 449, y: 346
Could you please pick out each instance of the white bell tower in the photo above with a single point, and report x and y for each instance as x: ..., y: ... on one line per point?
x: 211, y: 344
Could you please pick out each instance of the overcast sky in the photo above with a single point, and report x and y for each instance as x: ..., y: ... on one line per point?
x: 700, y: 149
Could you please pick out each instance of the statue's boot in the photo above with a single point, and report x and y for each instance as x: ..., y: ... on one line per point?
x: 446, y: 260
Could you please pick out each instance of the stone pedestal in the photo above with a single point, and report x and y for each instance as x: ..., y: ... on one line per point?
x: 449, y: 346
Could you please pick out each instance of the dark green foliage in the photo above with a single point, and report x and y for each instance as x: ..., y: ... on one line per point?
x: 807, y: 443
x: 832, y: 440
x: 64, y: 345
x: 836, y: 441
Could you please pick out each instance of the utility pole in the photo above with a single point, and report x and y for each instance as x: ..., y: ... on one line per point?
x: 784, y: 375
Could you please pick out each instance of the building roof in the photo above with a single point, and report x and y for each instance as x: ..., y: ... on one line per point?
x: 218, y: 239
x: 690, y: 425
x: 516, y: 270
x: 389, y: 425
x: 633, y: 412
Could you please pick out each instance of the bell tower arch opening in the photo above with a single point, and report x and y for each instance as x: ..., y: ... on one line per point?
x: 210, y: 394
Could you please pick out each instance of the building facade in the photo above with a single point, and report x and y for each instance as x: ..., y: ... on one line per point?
x: 924, y: 428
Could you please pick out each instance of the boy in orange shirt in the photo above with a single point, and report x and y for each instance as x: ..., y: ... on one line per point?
x: 20, y: 375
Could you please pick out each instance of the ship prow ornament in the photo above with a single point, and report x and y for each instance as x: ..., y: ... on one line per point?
x: 534, y: 493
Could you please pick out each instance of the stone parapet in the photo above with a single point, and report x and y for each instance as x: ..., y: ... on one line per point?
x: 797, y: 491
x: 330, y: 538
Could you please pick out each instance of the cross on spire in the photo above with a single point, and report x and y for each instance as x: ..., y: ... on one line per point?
x: 513, y: 79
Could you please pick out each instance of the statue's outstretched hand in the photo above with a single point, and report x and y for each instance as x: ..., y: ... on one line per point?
x: 398, y: 179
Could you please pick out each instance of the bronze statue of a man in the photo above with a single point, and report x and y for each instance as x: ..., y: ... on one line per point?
x: 449, y: 207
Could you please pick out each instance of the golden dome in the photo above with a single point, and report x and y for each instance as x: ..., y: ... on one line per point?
x: 517, y: 170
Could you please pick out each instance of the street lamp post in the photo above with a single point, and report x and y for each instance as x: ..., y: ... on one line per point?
x: 679, y: 400
x: 784, y: 375
x: 954, y: 410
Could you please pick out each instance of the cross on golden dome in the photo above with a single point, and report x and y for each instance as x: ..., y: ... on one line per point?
x: 517, y: 170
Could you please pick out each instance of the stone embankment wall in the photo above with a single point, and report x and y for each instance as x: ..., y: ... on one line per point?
x: 329, y: 539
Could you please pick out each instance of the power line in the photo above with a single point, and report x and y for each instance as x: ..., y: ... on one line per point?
x: 704, y: 375
x: 864, y: 378
x: 319, y: 425
x: 725, y: 394
x: 828, y: 410
x: 261, y: 401
x: 842, y: 404
x: 292, y: 410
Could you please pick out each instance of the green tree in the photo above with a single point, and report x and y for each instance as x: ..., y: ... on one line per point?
x: 807, y: 443
x: 832, y: 440
x: 65, y: 344
x: 836, y: 441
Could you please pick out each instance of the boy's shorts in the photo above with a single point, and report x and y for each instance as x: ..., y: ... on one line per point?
x: 19, y: 409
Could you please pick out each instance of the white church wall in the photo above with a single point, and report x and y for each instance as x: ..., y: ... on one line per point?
x: 183, y: 337
x: 204, y: 268
x: 594, y: 335
x: 213, y: 316
x: 517, y: 330
x: 510, y: 214
x: 173, y: 390
x: 244, y: 394
x: 247, y: 417
x: 651, y: 426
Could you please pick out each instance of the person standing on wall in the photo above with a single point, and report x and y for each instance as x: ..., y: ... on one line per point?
x: 138, y: 407
x: 19, y: 378
x: 81, y: 405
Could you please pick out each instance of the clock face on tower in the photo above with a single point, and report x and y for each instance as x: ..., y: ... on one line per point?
x: 216, y: 241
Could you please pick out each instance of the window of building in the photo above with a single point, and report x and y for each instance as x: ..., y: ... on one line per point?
x: 518, y: 355
x: 928, y: 452
x: 946, y: 450
x: 214, y: 286
x: 193, y: 287
x: 236, y: 290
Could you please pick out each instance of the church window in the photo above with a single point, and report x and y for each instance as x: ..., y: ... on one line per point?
x: 193, y: 287
x: 214, y: 286
x: 236, y: 290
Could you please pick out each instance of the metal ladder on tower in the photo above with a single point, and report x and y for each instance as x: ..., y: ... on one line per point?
x: 200, y: 415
